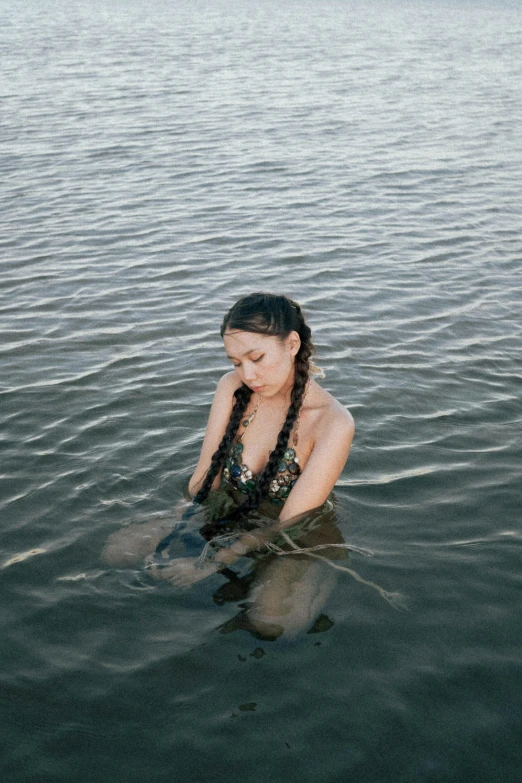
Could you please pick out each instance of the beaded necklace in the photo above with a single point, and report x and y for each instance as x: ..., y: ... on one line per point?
x: 288, y: 469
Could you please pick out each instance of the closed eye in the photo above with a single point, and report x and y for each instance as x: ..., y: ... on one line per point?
x: 255, y: 361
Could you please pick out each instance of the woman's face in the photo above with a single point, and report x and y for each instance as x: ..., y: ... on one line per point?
x: 264, y: 363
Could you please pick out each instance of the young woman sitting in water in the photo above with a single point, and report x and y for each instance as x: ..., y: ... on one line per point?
x: 275, y: 442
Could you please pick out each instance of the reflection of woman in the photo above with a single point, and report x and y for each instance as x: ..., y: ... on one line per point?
x: 275, y: 441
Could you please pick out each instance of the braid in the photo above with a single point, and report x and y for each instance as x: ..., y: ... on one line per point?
x: 242, y: 396
x: 302, y: 373
x: 270, y: 471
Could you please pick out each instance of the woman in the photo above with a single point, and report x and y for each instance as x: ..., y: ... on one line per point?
x: 274, y: 436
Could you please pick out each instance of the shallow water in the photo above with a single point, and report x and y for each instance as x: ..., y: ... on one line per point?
x: 158, y: 160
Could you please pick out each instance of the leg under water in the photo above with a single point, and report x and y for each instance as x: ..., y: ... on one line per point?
x: 287, y: 595
x: 129, y: 546
x: 285, y: 592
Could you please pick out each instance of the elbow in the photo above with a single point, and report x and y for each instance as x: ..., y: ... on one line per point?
x: 349, y: 430
x: 193, y: 486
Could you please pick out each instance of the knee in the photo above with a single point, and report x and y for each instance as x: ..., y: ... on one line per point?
x: 115, y: 556
x: 120, y: 550
x: 129, y: 546
x: 263, y: 629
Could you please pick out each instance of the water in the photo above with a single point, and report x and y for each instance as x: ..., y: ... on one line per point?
x: 159, y: 160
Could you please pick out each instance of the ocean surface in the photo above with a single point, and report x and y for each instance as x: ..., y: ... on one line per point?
x: 157, y: 161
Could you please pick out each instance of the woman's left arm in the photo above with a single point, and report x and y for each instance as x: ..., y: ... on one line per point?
x: 324, y: 466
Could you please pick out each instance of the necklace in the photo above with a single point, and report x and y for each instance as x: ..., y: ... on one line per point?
x: 246, y: 422
x: 288, y: 469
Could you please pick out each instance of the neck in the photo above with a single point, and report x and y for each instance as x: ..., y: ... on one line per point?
x: 285, y: 393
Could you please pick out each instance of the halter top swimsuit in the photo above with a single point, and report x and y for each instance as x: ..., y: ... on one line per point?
x: 239, y: 476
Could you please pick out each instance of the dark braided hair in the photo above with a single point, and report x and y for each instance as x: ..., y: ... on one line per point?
x: 242, y: 396
x: 275, y: 316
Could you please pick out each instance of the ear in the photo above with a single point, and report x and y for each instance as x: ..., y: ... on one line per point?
x: 294, y: 343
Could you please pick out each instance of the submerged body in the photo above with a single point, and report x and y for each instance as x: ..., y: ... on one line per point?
x: 285, y: 592
x: 274, y: 438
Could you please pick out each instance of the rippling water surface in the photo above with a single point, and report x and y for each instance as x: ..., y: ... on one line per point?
x: 158, y: 160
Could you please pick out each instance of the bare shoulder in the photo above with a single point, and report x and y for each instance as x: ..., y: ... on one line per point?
x: 228, y: 383
x: 224, y: 395
x: 329, y: 415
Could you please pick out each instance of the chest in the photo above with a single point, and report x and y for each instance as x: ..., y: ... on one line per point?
x: 260, y: 438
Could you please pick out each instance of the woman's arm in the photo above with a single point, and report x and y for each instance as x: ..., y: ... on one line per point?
x: 323, y: 468
x: 217, y: 424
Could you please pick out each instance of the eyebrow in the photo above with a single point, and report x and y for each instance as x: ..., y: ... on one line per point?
x: 252, y: 350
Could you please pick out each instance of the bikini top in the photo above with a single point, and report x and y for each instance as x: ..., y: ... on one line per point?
x: 239, y: 476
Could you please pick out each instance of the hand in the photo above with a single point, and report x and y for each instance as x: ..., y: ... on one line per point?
x: 183, y: 571
x: 226, y: 556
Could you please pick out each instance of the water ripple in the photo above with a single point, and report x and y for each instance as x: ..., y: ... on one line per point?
x: 159, y: 160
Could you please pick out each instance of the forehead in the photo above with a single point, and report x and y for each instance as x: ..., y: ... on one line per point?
x: 238, y: 343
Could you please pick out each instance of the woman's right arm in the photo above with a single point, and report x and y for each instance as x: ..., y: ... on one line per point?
x: 217, y: 424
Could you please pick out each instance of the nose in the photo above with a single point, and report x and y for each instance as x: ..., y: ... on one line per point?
x: 249, y: 371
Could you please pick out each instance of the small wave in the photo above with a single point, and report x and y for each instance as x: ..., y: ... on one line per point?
x: 21, y: 556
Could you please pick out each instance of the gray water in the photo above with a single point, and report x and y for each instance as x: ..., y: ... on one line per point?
x: 159, y: 159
